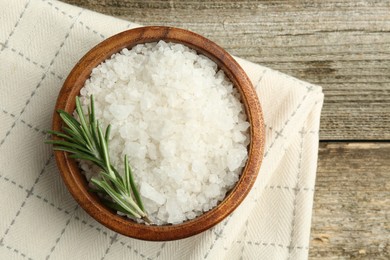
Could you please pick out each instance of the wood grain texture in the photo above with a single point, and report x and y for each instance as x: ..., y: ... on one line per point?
x: 351, y: 217
x: 343, y: 46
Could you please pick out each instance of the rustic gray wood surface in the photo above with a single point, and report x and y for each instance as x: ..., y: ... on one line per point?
x: 344, y: 46
x: 352, y: 202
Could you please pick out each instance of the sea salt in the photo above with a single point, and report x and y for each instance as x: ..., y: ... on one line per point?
x: 180, y: 121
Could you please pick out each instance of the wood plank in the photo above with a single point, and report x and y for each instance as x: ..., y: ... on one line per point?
x: 343, y: 46
x: 352, y: 202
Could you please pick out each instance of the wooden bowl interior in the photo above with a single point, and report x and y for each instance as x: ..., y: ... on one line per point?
x: 75, y: 180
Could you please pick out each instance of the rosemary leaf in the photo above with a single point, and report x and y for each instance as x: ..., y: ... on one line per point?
x: 117, y: 182
x: 67, y: 120
x: 127, y: 176
x: 84, y: 126
x: 132, y: 184
x: 116, y: 207
x: 86, y: 157
x: 115, y: 196
x: 107, y: 135
x: 93, y: 119
x: 69, y: 117
x: 59, y: 134
x: 104, y: 150
x: 69, y: 144
x: 76, y: 138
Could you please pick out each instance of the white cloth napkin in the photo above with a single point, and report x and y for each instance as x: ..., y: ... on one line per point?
x: 40, y: 41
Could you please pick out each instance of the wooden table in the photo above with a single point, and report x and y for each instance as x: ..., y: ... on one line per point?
x: 344, y: 46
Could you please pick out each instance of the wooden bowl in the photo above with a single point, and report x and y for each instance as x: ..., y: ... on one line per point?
x: 75, y: 180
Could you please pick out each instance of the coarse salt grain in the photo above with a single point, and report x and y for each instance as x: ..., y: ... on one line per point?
x: 179, y: 120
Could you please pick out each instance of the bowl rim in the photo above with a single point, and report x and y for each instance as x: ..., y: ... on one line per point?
x: 75, y: 180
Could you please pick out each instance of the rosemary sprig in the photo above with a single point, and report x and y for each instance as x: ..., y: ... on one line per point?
x: 84, y: 140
